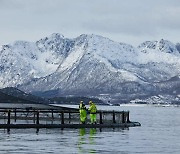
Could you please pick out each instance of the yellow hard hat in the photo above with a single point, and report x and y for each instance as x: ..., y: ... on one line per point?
x: 90, y: 102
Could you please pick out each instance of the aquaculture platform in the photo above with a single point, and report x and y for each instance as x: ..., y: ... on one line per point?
x: 24, y: 126
x: 60, y: 117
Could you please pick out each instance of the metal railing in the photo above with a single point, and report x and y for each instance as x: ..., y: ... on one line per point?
x: 23, y: 116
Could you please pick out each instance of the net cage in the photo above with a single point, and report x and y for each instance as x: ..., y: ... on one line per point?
x: 66, y: 117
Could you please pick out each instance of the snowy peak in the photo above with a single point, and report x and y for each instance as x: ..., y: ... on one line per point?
x: 102, y: 48
x: 161, y: 45
x: 22, y: 61
x: 55, y: 43
x: 94, y: 48
x: 56, y: 36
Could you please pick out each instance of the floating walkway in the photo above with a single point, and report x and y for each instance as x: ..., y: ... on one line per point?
x: 37, y: 126
x: 60, y: 117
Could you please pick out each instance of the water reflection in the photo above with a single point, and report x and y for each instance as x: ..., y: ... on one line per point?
x: 92, y: 134
x: 87, y: 140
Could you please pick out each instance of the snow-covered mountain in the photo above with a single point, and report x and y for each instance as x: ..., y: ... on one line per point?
x: 23, y: 61
x: 162, y: 45
x: 89, y: 65
x: 93, y: 66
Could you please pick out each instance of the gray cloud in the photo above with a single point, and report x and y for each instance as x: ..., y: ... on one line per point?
x: 131, y: 21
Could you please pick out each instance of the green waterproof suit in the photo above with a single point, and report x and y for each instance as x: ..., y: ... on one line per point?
x: 83, y: 113
x: 92, y: 109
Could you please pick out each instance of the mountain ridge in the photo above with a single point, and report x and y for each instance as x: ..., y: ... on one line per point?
x: 88, y: 64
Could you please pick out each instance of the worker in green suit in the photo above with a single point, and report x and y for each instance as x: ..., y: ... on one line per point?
x: 92, y: 109
x: 83, y: 113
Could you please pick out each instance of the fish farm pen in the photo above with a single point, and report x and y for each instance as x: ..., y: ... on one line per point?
x: 60, y: 117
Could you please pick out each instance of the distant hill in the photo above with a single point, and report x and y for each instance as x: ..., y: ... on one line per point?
x: 14, y: 95
x: 75, y: 100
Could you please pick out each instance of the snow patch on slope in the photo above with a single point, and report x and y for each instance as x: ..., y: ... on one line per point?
x: 73, y: 58
x: 42, y: 63
x: 152, y: 56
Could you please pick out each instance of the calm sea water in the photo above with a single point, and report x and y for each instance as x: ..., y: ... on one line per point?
x: 159, y: 133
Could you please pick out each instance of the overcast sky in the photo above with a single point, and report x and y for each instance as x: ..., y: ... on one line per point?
x: 128, y: 21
